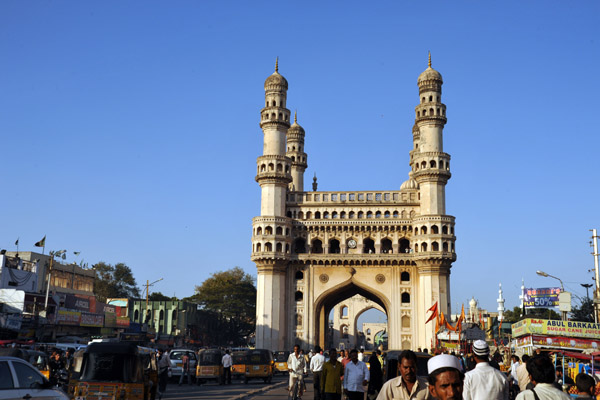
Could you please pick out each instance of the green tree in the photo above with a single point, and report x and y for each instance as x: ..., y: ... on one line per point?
x: 114, y: 281
x: 158, y: 296
x: 514, y: 315
x: 232, y: 295
x: 585, y: 311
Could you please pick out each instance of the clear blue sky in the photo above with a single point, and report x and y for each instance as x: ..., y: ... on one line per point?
x: 129, y: 130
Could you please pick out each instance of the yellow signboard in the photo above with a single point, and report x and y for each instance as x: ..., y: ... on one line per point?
x: 556, y: 328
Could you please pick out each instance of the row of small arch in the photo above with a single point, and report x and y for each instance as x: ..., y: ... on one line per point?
x: 432, y: 164
x: 271, y: 168
x: 368, y: 247
x: 282, y: 117
x: 437, y: 99
x: 432, y: 112
x: 350, y: 214
x: 435, y: 230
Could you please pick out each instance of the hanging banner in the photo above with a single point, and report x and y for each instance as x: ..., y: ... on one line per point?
x: 556, y: 328
x: 64, y: 317
x: 95, y: 320
x: 541, y: 298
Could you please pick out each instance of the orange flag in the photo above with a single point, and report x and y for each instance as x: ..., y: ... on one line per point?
x: 434, y: 310
x: 441, y: 322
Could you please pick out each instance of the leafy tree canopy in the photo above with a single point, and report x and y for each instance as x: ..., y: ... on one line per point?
x: 232, y: 295
x: 158, y: 296
x: 114, y: 281
x: 514, y: 315
x: 584, y: 312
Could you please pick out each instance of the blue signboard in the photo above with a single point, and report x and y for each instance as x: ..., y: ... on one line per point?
x: 541, y: 297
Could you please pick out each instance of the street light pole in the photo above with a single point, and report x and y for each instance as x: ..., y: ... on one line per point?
x: 562, y: 297
x: 597, y: 273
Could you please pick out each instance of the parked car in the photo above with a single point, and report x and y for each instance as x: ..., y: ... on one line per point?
x: 176, y: 356
x: 21, y: 380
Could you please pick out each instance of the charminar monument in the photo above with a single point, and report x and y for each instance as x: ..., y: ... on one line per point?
x: 316, y: 249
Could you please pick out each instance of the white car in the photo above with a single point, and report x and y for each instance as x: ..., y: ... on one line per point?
x: 21, y: 380
x: 176, y: 356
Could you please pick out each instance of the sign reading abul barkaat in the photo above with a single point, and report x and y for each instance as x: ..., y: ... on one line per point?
x: 531, y: 326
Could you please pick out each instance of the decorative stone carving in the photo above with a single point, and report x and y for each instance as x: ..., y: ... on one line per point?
x: 324, y: 278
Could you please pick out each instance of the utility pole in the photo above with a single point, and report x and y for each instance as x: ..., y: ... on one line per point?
x: 148, y: 294
x: 597, y: 274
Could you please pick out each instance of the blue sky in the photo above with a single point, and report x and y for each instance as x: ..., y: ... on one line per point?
x: 130, y: 131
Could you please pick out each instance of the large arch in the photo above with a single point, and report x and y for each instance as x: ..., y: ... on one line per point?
x: 336, y: 294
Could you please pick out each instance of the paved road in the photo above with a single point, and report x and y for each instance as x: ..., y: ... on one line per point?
x: 238, y: 390
x: 280, y: 392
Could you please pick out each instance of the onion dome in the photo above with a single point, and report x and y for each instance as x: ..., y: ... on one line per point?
x: 276, y: 80
x: 430, y: 74
x: 473, y: 303
x: 295, y: 127
x: 409, y: 184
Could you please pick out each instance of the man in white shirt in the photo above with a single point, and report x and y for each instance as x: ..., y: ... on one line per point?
x: 356, y: 376
x: 541, y: 372
x: 297, y: 369
x: 361, y: 355
x: 484, y: 382
x: 227, y: 362
x: 316, y: 367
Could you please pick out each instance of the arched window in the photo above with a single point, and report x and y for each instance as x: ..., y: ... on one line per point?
x: 432, y: 164
x: 299, y: 275
x: 386, y: 214
x: 435, y: 230
x: 445, y: 246
x: 343, y: 311
x: 317, y: 215
x: 334, y: 215
x: 325, y: 214
x: 263, y: 168
x: 269, y: 230
x: 345, y: 332
x: 259, y: 231
x: 351, y: 215
x: 298, y: 296
x: 423, y: 230
x: 334, y: 246
x: 278, y: 247
x: 431, y: 111
x: 430, y: 98
x: 378, y: 214
x: 308, y: 215
x: 435, y: 246
x: 368, y: 246
x: 174, y: 315
x: 279, y: 168
x: 405, y: 277
x: 289, y: 214
x: 317, y: 246
x: 404, y: 246
x: 300, y: 215
x: 361, y: 215
x: 343, y: 215
x: 403, y: 214
x: 441, y: 164
x: 274, y: 103
x: 368, y: 331
x: 298, y: 320
x: 424, y: 165
x: 161, y: 315
x: 136, y: 315
x: 279, y: 231
x: 299, y: 246
x: 386, y: 246
x: 268, y: 246
x: 395, y: 215
x: 423, y: 246
x: 444, y: 229
x: 405, y: 297
x: 369, y: 214
x: 258, y: 247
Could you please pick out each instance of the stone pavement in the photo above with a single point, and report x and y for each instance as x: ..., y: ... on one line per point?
x: 277, y: 391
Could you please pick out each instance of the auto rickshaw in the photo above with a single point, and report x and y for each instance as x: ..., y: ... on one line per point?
x: 115, y: 370
x: 38, y: 359
x: 209, y: 366
x: 281, y: 358
x: 259, y: 365
x: 238, y: 367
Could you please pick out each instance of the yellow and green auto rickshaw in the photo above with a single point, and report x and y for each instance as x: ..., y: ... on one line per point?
x: 238, y: 367
x: 259, y: 365
x: 116, y: 371
x: 281, y: 358
x: 209, y: 366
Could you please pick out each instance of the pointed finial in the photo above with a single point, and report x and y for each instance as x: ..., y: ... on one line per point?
x: 277, y: 64
x: 429, y: 64
x: 295, y: 116
x: 315, y: 184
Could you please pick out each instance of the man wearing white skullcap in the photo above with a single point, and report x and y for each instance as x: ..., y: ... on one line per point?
x: 445, y: 377
x: 484, y: 382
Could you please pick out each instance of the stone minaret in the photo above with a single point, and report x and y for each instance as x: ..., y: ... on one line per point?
x: 295, y: 152
x: 271, y: 240
x: 430, y: 168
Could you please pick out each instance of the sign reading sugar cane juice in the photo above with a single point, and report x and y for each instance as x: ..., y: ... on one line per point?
x: 556, y: 328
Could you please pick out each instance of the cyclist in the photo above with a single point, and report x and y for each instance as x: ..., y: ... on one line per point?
x: 297, y: 369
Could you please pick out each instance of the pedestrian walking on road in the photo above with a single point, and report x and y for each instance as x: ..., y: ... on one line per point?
x: 316, y: 367
x: 356, y: 377
x: 331, y: 379
x: 227, y: 362
x: 185, y: 369
x: 484, y: 382
x: 164, y: 365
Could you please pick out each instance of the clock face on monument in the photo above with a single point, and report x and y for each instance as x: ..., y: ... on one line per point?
x: 352, y: 243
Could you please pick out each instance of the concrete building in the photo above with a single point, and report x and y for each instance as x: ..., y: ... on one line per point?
x: 316, y: 249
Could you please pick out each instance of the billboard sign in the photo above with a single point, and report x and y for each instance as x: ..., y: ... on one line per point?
x: 533, y: 326
x: 541, y: 297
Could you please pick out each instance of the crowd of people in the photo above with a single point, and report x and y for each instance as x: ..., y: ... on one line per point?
x: 345, y: 375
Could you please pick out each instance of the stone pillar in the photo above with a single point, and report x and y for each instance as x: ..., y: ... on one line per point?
x: 271, y: 306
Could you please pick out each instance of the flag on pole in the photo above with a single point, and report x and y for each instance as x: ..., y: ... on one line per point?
x: 434, y: 310
x: 17, y: 242
x: 77, y: 253
x: 41, y: 243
